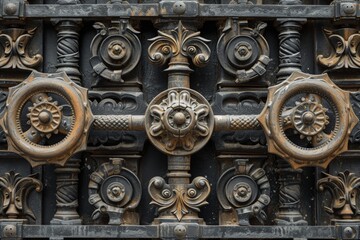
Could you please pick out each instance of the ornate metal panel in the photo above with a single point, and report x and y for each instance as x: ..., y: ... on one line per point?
x: 175, y: 119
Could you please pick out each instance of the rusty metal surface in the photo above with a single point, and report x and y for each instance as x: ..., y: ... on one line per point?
x: 179, y: 119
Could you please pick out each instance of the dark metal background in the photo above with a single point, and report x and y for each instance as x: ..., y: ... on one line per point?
x: 219, y: 153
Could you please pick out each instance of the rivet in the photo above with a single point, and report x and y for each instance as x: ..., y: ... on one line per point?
x: 348, y: 8
x: 9, y: 231
x: 10, y: 8
x: 180, y: 231
x: 349, y: 233
x: 179, y: 7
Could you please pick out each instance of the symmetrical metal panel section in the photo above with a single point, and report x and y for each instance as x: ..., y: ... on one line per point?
x: 179, y: 119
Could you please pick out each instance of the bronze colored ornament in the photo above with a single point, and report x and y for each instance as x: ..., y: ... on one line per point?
x: 176, y: 198
x: 296, y: 107
x: 344, y: 54
x: 179, y: 121
x: 245, y: 189
x: 344, y: 190
x: 114, y: 189
x: 181, y: 42
x: 242, y: 51
x: 13, y: 49
x: 15, y: 190
x: 56, y: 109
x: 115, y: 50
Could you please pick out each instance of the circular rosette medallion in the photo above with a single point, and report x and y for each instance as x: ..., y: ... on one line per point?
x: 179, y: 121
x: 47, y: 118
x: 307, y: 120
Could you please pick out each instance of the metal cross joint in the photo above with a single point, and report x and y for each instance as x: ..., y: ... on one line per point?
x: 307, y: 120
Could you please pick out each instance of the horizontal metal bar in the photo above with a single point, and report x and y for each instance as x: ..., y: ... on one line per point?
x: 209, y: 11
x: 269, y: 232
x: 119, y: 122
x: 267, y: 11
x: 89, y: 231
x: 91, y: 10
x: 152, y: 231
x: 236, y: 122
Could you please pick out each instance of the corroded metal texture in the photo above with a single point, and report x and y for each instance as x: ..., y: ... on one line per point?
x: 14, y: 191
x: 344, y: 190
x: 179, y: 119
x: 54, y: 105
x: 114, y: 190
x: 246, y: 190
x: 307, y: 119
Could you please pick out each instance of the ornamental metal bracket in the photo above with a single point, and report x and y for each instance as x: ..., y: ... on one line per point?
x: 115, y: 50
x: 344, y: 53
x: 113, y: 190
x: 14, y: 190
x: 14, y: 50
x: 242, y: 51
x: 344, y: 189
x: 245, y: 189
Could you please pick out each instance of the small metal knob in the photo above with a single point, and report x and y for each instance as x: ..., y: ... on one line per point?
x: 9, y: 231
x: 179, y: 7
x: 180, y: 231
x: 10, y: 8
x: 349, y: 233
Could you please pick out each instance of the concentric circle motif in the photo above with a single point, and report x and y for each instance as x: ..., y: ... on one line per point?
x: 179, y: 121
x: 52, y: 105
x: 45, y: 116
x: 310, y: 117
x: 323, y: 131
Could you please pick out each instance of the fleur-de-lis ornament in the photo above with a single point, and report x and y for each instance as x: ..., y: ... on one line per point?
x: 344, y: 190
x: 179, y: 201
x: 14, y: 49
x: 344, y: 54
x: 180, y: 43
x: 14, y: 190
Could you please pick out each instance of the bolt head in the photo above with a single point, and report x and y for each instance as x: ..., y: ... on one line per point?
x: 179, y: 118
x: 349, y: 233
x: 10, y: 8
x: 180, y: 231
x: 179, y: 7
x: 44, y: 117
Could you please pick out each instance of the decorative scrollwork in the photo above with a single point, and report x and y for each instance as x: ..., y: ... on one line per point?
x: 114, y: 189
x: 115, y: 50
x: 345, y: 45
x: 15, y: 190
x: 180, y: 42
x: 14, y: 49
x: 179, y: 121
x: 177, y: 199
x: 246, y: 189
x: 322, y: 137
x: 242, y: 51
x: 344, y: 190
x: 56, y: 108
